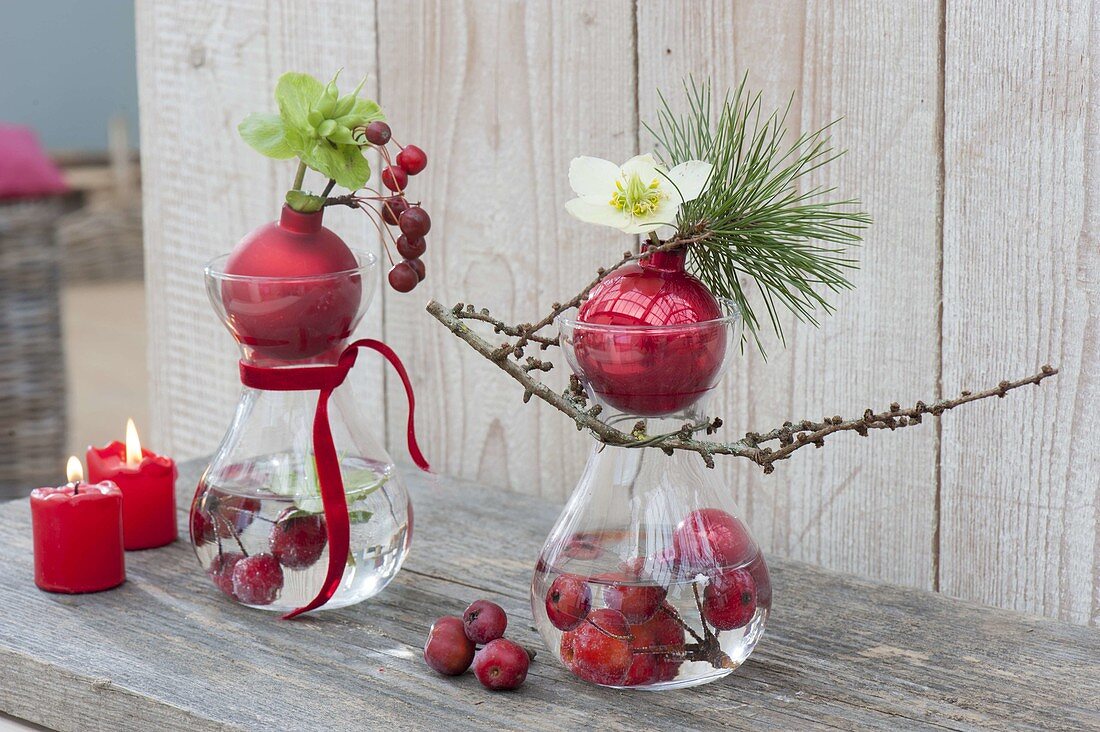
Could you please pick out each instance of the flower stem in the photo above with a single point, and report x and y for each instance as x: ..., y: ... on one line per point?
x: 654, y: 239
x: 299, y: 176
x: 328, y: 188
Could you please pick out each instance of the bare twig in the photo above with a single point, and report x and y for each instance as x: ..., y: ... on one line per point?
x: 791, y: 436
x: 526, y: 332
x: 499, y: 326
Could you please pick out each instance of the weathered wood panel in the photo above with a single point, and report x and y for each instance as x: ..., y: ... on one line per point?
x: 502, y: 95
x: 839, y: 652
x: 202, y: 68
x: 849, y: 506
x: 1021, y: 479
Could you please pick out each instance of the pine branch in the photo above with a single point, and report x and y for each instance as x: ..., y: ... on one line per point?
x: 791, y: 436
x: 756, y: 223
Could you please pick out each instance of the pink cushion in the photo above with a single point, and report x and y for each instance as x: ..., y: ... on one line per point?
x: 25, y: 169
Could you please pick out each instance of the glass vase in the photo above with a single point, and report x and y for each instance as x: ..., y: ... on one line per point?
x: 258, y: 523
x: 649, y: 579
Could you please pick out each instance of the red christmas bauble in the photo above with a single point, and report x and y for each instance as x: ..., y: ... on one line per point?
x: 312, y: 299
x: 651, y: 371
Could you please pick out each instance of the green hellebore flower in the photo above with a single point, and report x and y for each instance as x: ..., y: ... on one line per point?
x: 316, y: 125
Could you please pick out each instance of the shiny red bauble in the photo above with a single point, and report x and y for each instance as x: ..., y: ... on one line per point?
x: 665, y: 344
x: 282, y: 295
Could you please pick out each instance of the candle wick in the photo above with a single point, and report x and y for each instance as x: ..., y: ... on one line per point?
x: 76, y: 487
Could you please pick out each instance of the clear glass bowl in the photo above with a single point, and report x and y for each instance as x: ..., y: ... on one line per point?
x: 259, y: 498
x: 649, y: 579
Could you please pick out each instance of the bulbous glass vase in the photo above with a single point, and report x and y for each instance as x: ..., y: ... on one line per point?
x: 649, y: 579
x: 258, y: 523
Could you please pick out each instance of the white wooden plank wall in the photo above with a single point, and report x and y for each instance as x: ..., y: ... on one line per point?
x: 848, y: 507
x: 202, y: 68
x: 1021, y: 275
x: 974, y: 144
x: 502, y: 95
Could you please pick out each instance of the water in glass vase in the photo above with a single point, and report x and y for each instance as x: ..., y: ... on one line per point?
x: 259, y: 531
x: 654, y: 622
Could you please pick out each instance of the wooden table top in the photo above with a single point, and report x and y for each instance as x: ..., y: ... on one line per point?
x: 166, y: 652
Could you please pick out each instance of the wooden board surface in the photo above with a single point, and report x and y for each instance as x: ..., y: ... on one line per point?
x: 166, y: 651
x: 1021, y: 488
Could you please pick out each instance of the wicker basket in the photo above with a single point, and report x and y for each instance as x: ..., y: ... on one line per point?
x: 101, y: 244
x: 32, y: 365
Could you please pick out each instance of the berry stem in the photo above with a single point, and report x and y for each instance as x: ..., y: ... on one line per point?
x: 232, y: 531
x: 671, y: 612
x: 659, y: 650
x: 382, y: 230
x: 608, y: 633
x: 707, y: 634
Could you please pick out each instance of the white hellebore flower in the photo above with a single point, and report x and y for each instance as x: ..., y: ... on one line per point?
x: 636, y: 198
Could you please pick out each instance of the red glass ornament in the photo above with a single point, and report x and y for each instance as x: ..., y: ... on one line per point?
x: 658, y: 369
x: 303, y: 311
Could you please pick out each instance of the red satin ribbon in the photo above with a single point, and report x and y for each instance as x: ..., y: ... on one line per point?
x: 325, y: 379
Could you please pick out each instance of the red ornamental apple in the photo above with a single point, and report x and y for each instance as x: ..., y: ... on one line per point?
x: 201, y: 528
x: 290, y: 290
x: 758, y: 568
x: 221, y: 571
x: 599, y: 649
x: 412, y: 159
x: 710, y: 538
x: 229, y: 514
x: 568, y: 601
x: 395, y: 178
x: 448, y: 650
x: 651, y: 371
x: 484, y: 621
x: 501, y: 665
x: 298, y: 539
x: 729, y: 600
x: 657, y: 646
x: 638, y: 602
x: 257, y: 579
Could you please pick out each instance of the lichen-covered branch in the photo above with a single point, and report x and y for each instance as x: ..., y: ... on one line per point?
x: 790, y: 437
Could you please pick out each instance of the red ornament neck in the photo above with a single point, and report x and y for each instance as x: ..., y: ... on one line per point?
x: 301, y: 223
x: 671, y: 260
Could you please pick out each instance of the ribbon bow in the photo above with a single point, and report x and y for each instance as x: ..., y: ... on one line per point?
x: 326, y: 379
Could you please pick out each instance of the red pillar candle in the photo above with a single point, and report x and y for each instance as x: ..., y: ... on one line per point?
x: 148, y: 485
x: 78, y: 536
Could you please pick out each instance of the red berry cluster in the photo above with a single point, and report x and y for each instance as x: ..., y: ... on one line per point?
x: 500, y: 664
x: 412, y: 220
x: 637, y: 637
x: 296, y: 541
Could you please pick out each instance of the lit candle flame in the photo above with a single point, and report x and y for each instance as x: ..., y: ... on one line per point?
x: 133, y: 445
x: 74, y: 470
